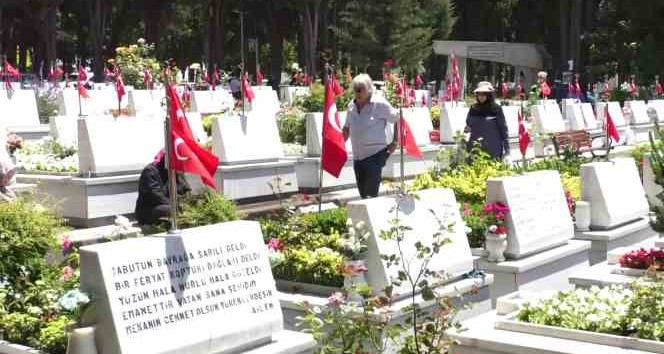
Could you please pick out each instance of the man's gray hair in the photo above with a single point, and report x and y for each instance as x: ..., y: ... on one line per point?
x: 363, y: 80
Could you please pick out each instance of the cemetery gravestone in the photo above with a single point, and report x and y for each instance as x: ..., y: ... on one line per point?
x: 419, y: 121
x: 452, y: 122
x: 548, y: 118
x: 246, y: 139
x: 512, y: 119
x: 614, y: 191
x: 64, y: 129
x: 314, y: 126
x: 110, y: 146
x: 615, y: 111
x: 539, y: 218
x: 147, y: 102
x: 211, y: 102
x: 575, y: 116
x: 205, y: 291
x: 422, y: 215
x: 266, y: 100
x: 20, y: 110
x: 589, y: 116
x: 639, y: 112
x: 658, y: 106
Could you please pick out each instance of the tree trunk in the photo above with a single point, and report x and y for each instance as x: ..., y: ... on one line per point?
x: 279, y: 25
x: 564, y: 54
x: 215, y: 32
x: 2, y: 29
x: 51, y: 28
x: 152, y: 10
x: 97, y: 12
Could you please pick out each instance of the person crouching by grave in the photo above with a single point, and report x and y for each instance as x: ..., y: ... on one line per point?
x: 153, y: 192
x: 368, y: 117
x: 7, y: 172
x: 486, y: 123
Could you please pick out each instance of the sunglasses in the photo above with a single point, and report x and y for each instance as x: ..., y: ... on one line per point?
x: 358, y: 90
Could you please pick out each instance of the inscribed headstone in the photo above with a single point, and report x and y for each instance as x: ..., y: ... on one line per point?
x: 511, y: 114
x: 419, y: 121
x: 246, y: 139
x: 147, y: 102
x: 111, y: 146
x: 452, y: 122
x: 208, y: 290
x: 314, y: 126
x: 614, y: 191
x: 422, y: 214
x: 539, y: 218
x: 639, y: 112
x: 589, y: 116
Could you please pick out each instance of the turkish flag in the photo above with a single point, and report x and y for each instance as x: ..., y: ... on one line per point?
x: 418, y: 81
x: 186, y: 154
x: 147, y: 79
x: 504, y: 90
x: 259, y: 77
x: 333, y: 153
x: 407, y: 139
x: 246, y: 88
x: 659, y: 89
x: 524, y: 137
x: 11, y: 71
x: 82, y: 77
x: 611, y: 129
x: 545, y: 89
x: 119, y: 84
x: 456, y: 78
x: 519, y: 91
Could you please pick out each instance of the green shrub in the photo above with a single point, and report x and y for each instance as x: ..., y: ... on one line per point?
x: 53, y: 336
x: 27, y: 233
x: 435, y: 116
x: 206, y: 209
x: 21, y: 328
x: 47, y: 106
x: 133, y: 59
x: 315, y: 101
x: 319, y: 266
x: 476, y: 222
x: 293, y: 127
x: 207, y: 122
x: 326, y: 222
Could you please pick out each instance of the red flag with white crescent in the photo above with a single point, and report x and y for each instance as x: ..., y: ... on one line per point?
x: 80, y: 84
x: 333, y: 153
x: 659, y: 89
x: 187, y: 155
x: 246, y: 88
x: 407, y: 139
x: 259, y: 77
x: 524, y: 137
x: 545, y: 89
x: 611, y: 129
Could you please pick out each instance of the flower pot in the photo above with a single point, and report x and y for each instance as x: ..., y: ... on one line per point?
x: 496, y: 245
x: 582, y: 215
x: 354, y: 278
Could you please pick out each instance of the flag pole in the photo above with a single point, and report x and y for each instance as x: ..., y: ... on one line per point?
x: 172, y: 182
x: 242, y: 58
x: 80, y: 109
x: 401, y: 157
x: 523, y: 122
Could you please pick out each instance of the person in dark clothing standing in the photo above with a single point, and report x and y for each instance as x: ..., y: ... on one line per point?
x: 486, y: 123
x: 153, y: 192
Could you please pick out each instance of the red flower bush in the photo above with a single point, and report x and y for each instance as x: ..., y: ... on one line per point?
x: 643, y: 259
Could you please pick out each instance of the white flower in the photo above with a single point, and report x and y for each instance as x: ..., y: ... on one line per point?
x: 295, y: 67
x: 141, y: 41
x: 493, y: 228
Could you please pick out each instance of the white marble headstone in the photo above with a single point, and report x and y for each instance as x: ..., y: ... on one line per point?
x: 419, y: 121
x: 147, y: 102
x: 252, y: 138
x: 511, y: 114
x: 575, y: 116
x: 589, y: 117
x: 421, y: 214
x: 539, y: 218
x: 20, y: 110
x: 314, y: 126
x: 266, y: 99
x: 422, y: 95
x: 106, y: 99
x: 64, y: 129
x: 615, y: 111
x: 208, y: 290
x: 639, y: 112
x: 614, y: 191
x: 211, y: 102
x: 452, y: 121
x: 549, y: 118
x: 658, y: 106
x: 111, y: 146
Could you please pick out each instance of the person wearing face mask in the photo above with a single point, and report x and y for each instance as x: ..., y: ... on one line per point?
x: 486, y: 123
x: 368, y: 117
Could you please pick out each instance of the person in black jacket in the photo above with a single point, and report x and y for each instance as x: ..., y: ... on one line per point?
x: 486, y: 123
x: 153, y: 194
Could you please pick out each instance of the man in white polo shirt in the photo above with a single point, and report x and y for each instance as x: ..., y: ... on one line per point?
x: 366, y: 123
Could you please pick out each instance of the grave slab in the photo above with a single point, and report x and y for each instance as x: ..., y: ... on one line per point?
x: 452, y: 121
x: 548, y: 118
x: 246, y: 139
x: 211, y: 102
x: 658, y: 106
x: 574, y: 116
x: 147, y: 102
x: 288, y: 94
x: 639, y: 112
x: 480, y: 336
x: 194, y: 282
x: 422, y: 214
x: 614, y: 192
x: 19, y: 110
x: 589, y: 117
x: 539, y: 218
x: 547, y: 270
x: 512, y: 119
x: 604, y: 241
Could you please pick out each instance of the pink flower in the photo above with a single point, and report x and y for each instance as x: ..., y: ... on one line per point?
x: 275, y: 244
x: 500, y: 207
x: 488, y: 208
x: 67, y: 273
x: 67, y: 245
x: 336, y: 299
x: 500, y: 215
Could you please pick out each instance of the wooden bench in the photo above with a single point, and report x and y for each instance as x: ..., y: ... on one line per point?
x: 579, y: 141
